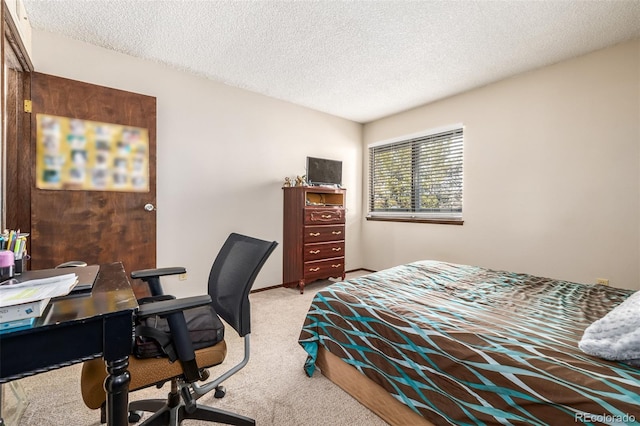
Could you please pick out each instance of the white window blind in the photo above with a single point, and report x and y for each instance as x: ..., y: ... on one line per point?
x: 417, y: 177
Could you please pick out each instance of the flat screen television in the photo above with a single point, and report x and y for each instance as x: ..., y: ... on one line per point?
x: 321, y: 171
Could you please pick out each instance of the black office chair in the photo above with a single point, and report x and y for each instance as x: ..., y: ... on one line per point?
x: 232, y: 275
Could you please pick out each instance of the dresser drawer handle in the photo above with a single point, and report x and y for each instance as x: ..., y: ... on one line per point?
x: 336, y: 266
x: 336, y: 232
x: 314, y: 234
x: 314, y: 251
x: 314, y: 269
x: 336, y: 248
x: 327, y: 216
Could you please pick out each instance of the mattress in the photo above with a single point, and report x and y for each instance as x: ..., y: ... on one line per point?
x: 459, y: 344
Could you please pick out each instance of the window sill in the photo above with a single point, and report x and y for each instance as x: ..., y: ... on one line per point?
x: 416, y: 220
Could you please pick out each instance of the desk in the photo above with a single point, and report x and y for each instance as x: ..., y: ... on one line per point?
x: 77, y: 328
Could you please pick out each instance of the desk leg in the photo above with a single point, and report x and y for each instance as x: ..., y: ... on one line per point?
x: 117, y: 386
x: 1, y: 419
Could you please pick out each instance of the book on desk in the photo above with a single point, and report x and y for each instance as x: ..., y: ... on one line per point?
x: 23, y: 310
x: 15, y: 325
x: 27, y: 295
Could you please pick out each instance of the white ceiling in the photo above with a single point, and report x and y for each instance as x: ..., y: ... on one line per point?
x: 361, y: 60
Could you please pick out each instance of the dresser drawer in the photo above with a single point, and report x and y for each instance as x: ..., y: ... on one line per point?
x: 318, y: 234
x: 323, y: 250
x: 324, y: 269
x: 317, y: 216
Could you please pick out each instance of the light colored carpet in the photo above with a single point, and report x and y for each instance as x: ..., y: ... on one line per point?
x: 272, y: 388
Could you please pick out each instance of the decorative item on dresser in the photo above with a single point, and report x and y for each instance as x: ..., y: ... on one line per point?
x: 314, y: 233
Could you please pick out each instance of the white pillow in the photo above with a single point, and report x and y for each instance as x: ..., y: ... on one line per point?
x: 616, y: 336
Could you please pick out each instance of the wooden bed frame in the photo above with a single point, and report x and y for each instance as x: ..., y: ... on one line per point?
x: 366, y: 391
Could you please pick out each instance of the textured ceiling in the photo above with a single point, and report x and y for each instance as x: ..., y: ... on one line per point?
x: 361, y: 60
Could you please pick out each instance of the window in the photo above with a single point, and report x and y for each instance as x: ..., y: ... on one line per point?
x: 417, y: 178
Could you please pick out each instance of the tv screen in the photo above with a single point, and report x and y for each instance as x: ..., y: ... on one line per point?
x: 321, y: 171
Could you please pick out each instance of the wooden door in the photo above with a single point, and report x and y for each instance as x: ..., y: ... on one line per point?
x: 15, y: 129
x: 92, y: 225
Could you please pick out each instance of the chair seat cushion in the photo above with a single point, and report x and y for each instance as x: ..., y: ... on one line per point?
x: 144, y: 372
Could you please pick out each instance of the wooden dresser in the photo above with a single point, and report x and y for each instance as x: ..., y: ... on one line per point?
x: 314, y: 232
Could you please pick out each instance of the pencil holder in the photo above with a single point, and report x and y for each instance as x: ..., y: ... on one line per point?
x: 7, y: 264
x: 21, y: 264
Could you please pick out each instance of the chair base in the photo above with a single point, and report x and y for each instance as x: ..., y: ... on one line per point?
x: 174, y: 416
x: 173, y: 411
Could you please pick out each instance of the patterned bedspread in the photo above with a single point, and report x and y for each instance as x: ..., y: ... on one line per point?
x: 466, y: 345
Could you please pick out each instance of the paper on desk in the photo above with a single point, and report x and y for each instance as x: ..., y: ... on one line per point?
x: 38, y: 289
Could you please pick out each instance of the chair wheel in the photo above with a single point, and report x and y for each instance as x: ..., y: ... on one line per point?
x: 204, y: 374
x: 220, y: 392
x: 135, y: 416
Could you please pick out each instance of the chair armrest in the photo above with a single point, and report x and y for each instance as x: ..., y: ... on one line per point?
x: 157, y: 272
x: 167, y: 307
x: 173, y: 310
x: 154, y: 299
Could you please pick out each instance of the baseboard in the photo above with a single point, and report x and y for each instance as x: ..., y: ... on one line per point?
x: 282, y: 285
x: 267, y: 288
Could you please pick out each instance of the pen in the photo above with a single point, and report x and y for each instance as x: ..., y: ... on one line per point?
x: 11, y: 240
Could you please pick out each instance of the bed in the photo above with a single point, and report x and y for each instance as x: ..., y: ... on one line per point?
x: 439, y: 343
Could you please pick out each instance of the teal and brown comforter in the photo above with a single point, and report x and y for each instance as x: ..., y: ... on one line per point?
x: 466, y: 345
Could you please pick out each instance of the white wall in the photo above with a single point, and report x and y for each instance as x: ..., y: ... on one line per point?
x: 222, y: 155
x: 551, y: 174
x: 552, y: 166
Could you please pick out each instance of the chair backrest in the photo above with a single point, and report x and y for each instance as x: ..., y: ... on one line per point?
x: 232, y: 275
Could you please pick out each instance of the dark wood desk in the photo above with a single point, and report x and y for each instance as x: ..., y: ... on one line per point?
x: 77, y: 328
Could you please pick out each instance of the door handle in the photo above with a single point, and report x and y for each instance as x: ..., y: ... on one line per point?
x: 149, y: 207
